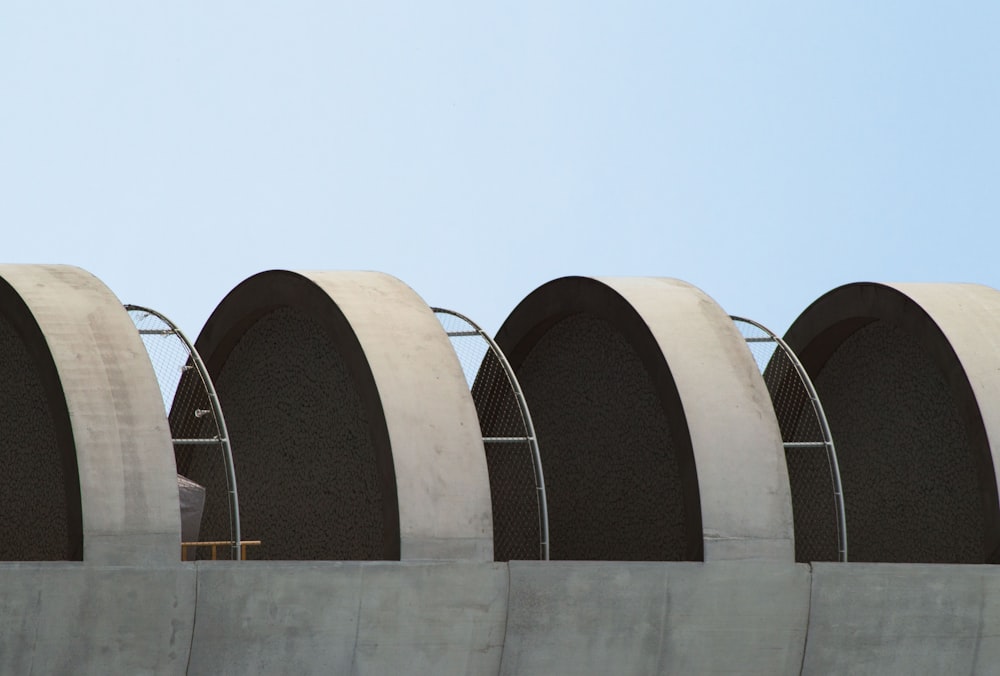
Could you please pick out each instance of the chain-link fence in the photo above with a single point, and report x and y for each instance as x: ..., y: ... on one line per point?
x: 517, y: 487
x: 817, y: 499
x: 201, y: 445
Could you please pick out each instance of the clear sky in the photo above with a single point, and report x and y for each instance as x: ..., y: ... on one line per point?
x: 766, y: 152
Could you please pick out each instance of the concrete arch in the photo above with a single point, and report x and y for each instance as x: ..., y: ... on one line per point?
x: 353, y: 432
x: 656, y: 430
x: 76, y: 373
x: 908, y: 376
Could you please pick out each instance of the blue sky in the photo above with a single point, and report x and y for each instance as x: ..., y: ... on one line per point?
x: 764, y: 151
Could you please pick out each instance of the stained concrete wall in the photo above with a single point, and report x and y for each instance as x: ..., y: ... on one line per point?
x: 556, y: 618
x: 496, y: 618
x: 80, y: 618
x: 903, y: 619
x: 349, y: 618
x: 655, y: 618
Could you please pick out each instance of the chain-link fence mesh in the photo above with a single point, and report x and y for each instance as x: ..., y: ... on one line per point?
x: 807, y: 448
x: 198, y: 439
x: 519, y: 531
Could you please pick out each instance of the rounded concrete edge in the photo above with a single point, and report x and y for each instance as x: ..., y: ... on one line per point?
x: 127, y: 479
x: 424, y: 426
x: 958, y: 325
x: 731, y: 457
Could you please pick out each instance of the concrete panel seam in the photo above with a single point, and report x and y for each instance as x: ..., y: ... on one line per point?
x: 194, y: 618
x: 357, y: 623
x: 506, y: 622
x: 805, y: 638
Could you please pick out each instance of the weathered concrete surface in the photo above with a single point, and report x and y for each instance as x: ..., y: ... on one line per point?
x: 746, y: 507
x: 109, y: 414
x: 349, y: 618
x: 656, y: 618
x: 79, y: 618
x: 903, y: 619
x: 644, y: 393
x: 395, y: 365
x: 495, y: 618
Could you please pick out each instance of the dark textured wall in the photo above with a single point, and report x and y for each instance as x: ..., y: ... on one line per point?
x: 307, y: 476
x: 35, y: 516
x: 611, y: 475
x: 908, y: 471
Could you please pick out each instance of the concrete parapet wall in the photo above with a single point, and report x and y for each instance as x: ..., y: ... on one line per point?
x: 77, y: 618
x: 656, y: 618
x: 349, y: 618
x: 494, y: 618
x: 903, y: 619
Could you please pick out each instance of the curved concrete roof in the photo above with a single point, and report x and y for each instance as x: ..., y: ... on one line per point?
x: 107, y: 412
x: 407, y: 455
x: 909, y: 376
x: 634, y: 370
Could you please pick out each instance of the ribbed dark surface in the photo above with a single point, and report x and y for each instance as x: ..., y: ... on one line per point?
x: 611, y: 475
x: 306, y: 471
x: 34, y: 526
x: 908, y: 471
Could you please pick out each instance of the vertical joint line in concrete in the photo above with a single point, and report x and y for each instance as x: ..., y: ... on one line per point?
x: 357, y: 623
x: 809, y: 607
x: 194, y: 616
x: 506, y: 621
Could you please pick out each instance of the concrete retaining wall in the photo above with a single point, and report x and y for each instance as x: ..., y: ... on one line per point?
x: 655, y: 618
x: 496, y: 618
x: 347, y: 618
x: 76, y: 618
x: 903, y: 619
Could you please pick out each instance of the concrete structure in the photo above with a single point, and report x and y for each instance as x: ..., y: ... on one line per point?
x: 345, y: 405
x: 107, y: 479
x: 656, y: 618
x: 909, y: 376
x: 656, y: 429
x: 913, y: 367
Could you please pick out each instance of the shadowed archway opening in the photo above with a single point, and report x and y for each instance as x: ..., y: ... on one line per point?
x: 619, y: 470
x: 40, y: 484
x: 915, y: 461
x: 310, y: 451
